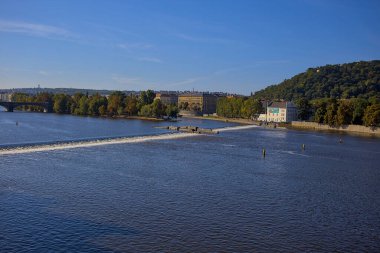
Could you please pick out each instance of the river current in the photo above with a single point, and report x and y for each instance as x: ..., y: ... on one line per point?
x: 204, y: 193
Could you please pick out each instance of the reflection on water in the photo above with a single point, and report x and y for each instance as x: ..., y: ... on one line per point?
x: 201, y: 194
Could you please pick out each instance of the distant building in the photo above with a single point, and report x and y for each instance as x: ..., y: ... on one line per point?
x: 5, y: 96
x: 167, y: 98
x: 203, y: 103
x: 279, y: 112
x: 262, y: 117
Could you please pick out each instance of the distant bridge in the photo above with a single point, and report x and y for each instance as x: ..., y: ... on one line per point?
x: 10, y: 106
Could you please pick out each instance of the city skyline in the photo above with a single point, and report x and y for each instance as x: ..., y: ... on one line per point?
x: 236, y: 47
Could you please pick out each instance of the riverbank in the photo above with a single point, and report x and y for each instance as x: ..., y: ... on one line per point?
x: 301, y: 125
x: 136, y: 117
x: 104, y: 116
x: 351, y: 129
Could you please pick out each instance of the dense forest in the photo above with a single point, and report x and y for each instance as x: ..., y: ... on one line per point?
x: 116, y: 104
x: 334, y: 112
x: 333, y: 94
x: 342, y: 81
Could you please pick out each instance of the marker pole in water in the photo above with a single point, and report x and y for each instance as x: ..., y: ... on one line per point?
x: 264, y: 152
x: 303, y: 146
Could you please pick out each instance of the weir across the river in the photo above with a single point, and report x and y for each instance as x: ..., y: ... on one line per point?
x: 20, y: 149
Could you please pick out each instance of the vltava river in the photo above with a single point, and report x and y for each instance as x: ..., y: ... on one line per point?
x: 198, y: 194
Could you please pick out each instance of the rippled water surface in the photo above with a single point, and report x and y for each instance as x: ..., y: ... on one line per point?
x: 198, y: 194
x: 45, y: 127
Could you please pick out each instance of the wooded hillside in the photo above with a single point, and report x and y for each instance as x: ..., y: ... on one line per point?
x: 351, y: 80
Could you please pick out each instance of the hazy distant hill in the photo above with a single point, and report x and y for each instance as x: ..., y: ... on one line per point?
x: 68, y: 91
x: 357, y: 79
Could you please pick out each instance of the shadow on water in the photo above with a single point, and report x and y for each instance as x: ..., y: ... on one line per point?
x: 45, y: 229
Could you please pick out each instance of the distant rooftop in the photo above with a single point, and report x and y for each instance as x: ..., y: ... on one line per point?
x: 197, y: 94
x: 282, y: 104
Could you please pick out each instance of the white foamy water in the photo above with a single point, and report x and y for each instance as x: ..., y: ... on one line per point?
x: 111, y: 141
x: 235, y: 128
x: 92, y: 143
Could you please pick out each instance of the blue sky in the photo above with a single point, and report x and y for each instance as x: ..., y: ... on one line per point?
x: 232, y: 46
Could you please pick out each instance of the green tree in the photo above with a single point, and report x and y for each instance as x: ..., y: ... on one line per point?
x: 237, y: 105
x: 46, y: 97
x: 331, y: 110
x: 359, y: 105
x: 74, y: 108
x: 83, y: 106
x: 320, y: 115
x: 339, y: 81
x: 120, y: 110
x: 374, y: 99
x: 115, y: 103
x: 251, y: 108
x: 225, y: 108
x: 146, y: 98
x: 103, y: 110
x: 372, y: 116
x: 131, y: 105
x: 21, y: 97
x: 61, y: 104
x: 94, y: 103
x: 146, y: 111
x: 155, y: 109
x: 303, y: 108
x: 344, y: 112
x: 158, y: 108
x: 171, y: 111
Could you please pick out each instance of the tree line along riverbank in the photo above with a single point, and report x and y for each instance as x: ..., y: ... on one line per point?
x: 329, y: 111
x: 117, y: 104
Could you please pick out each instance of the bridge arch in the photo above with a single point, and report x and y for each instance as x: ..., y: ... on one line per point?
x: 10, y: 106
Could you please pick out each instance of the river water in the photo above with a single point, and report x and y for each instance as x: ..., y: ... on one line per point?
x: 197, y: 194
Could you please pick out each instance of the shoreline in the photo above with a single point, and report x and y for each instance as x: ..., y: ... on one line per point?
x: 356, y: 130
x: 312, y: 128
x: 98, y: 116
x: 133, y: 117
x: 281, y: 126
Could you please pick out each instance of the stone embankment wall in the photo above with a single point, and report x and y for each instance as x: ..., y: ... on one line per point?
x: 346, y: 128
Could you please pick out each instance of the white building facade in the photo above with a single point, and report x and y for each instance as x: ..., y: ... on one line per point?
x: 279, y: 112
x: 5, y: 97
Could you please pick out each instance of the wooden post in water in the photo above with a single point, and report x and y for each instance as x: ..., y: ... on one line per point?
x: 264, y: 152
